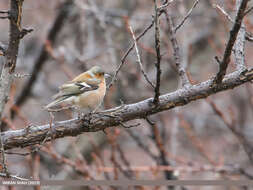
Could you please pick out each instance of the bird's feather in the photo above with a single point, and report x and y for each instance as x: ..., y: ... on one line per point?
x: 73, y: 89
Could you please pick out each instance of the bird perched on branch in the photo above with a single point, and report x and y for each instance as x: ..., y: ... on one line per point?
x: 85, y: 92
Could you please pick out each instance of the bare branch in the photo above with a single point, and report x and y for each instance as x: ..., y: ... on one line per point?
x: 186, y: 16
x: 10, y: 63
x: 139, y: 58
x: 221, y: 10
x: 142, y: 145
x: 158, y: 55
x: 98, y: 121
x: 248, y: 11
x: 24, y: 32
x: 169, y: 175
x: 180, y: 69
x: 240, y: 45
x: 245, y: 143
x: 123, y: 59
x: 233, y: 35
x: 166, y: 4
x: 248, y: 35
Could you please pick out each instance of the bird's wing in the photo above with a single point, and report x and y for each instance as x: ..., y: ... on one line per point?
x: 74, y: 88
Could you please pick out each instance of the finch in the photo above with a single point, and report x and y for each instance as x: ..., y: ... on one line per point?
x: 86, y: 91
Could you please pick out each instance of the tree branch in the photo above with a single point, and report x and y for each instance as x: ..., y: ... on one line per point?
x: 179, y: 67
x: 123, y: 59
x: 15, y: 15
x: 233, y: 35
x: 186, y: 16
x: 99, y: 121
x: 158, y: 55
x: 240, y: 45
x: 139, y: 58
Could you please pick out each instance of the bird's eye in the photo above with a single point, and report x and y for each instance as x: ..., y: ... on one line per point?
x: 100, y: 73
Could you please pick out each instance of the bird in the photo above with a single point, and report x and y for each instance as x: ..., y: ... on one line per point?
x: 85, y: 92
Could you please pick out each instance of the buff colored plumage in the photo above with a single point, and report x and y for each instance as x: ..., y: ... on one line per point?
x: 86, y: 91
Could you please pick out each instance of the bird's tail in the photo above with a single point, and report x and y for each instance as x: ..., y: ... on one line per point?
x: 56, y: 102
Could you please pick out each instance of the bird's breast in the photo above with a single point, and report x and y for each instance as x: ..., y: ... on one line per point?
x: 91, y: 99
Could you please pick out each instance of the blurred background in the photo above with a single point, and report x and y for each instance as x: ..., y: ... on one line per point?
x: 190, y: 142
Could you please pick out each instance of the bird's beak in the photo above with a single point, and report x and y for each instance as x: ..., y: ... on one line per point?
x: 107, y: 75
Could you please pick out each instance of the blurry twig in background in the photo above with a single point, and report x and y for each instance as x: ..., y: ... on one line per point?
x: 241, y: 137
x: 196, y: 141
x: 162, y: 158
x: 186, y: 17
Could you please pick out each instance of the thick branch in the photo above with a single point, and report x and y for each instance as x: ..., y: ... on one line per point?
x: 99, y: 121
x: 233, y: 35
x: 10, y: 63
x: 11, y: 53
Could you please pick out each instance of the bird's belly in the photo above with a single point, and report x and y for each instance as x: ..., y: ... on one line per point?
x: 89, y: 100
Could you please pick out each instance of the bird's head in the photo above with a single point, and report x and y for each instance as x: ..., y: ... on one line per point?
x: 98, y: 72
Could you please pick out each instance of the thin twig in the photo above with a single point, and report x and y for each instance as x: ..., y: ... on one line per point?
x: 248, y: 11
x: 166, y: 4
x: 18, y: 153
x: 123, y: 59
x: 158, y: 55
x: 139, y: 58
x: 219, y: 8
x: 186, y: 16
x: 248, y: 36
x: 246, y: 144
x: 142, y: 145
x: 228, y: 51
x: 162, y: 157
x: 180, y: 69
